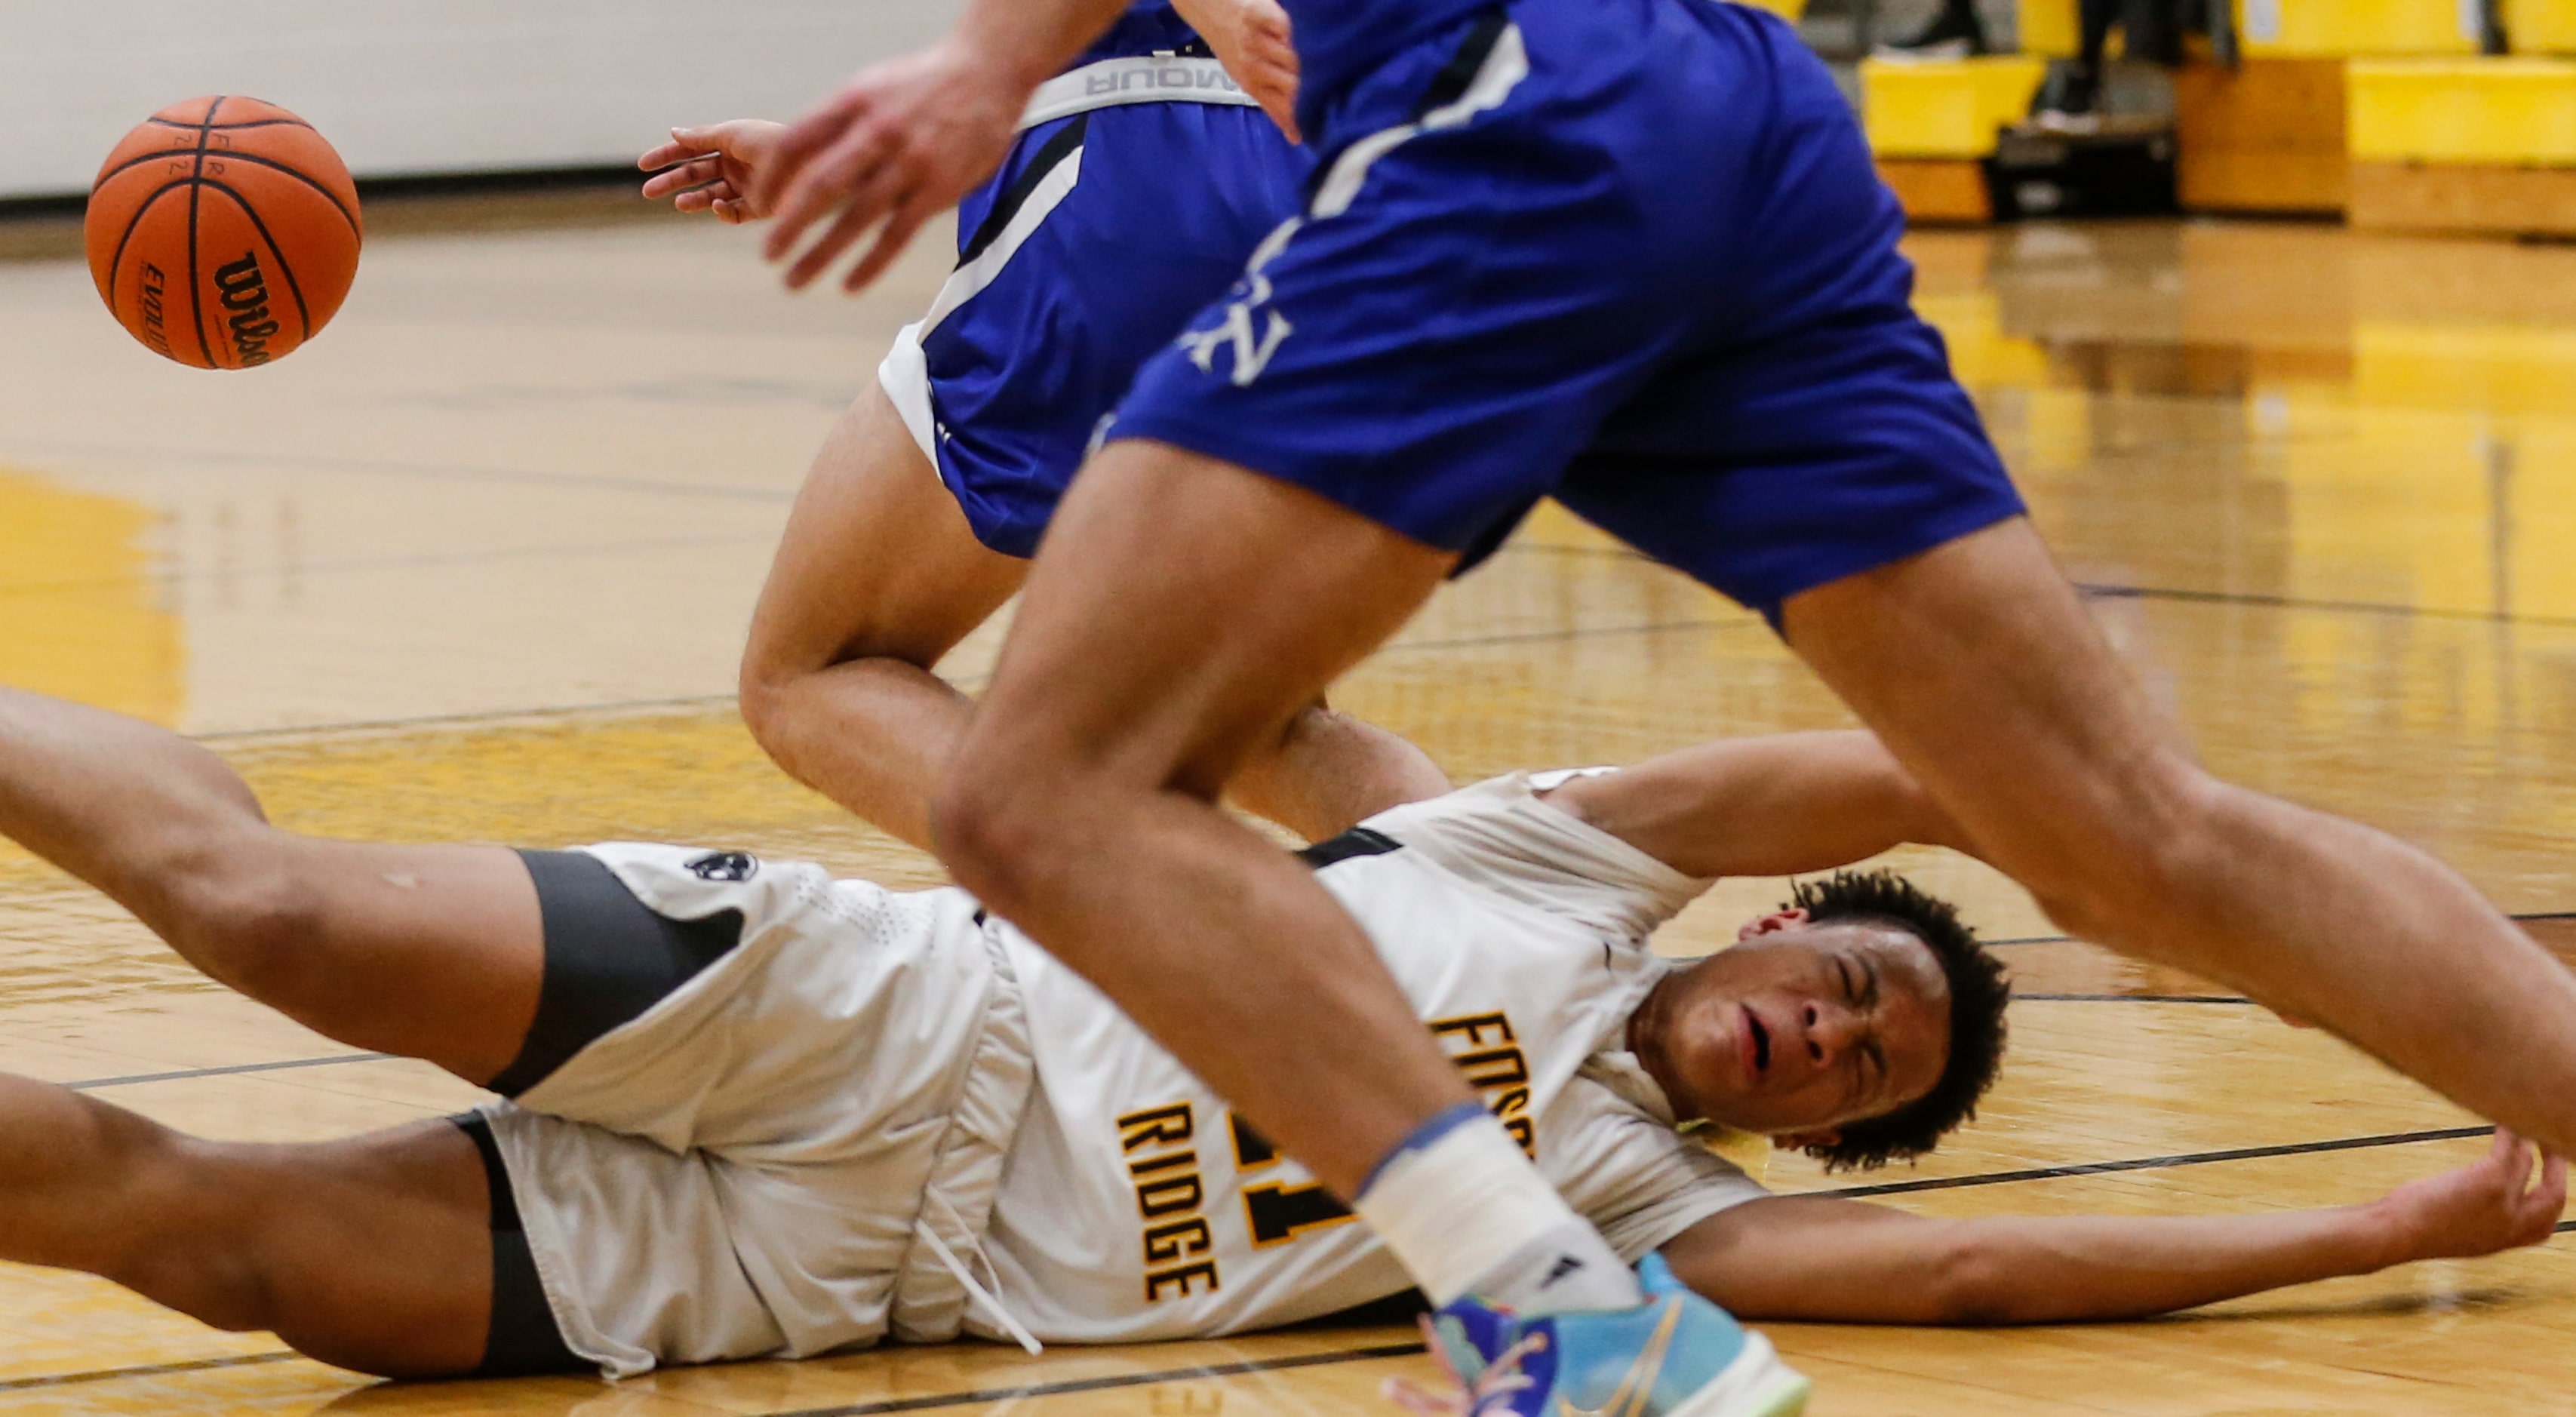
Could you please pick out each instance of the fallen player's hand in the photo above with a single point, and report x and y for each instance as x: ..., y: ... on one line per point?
x: 1252, y: 39
x: 713, y: 169
x: 897, y: 146
x: 2494, y: 1205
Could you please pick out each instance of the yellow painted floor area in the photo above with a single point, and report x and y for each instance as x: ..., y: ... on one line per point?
x: 477, y: 566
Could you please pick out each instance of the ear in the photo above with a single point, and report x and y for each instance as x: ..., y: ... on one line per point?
x: 1773, y: 923
x: 1802, y: 1141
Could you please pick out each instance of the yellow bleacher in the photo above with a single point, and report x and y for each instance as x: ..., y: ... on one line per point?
x: 2476, y: 145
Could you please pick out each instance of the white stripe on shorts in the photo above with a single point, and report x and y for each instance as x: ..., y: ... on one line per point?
x: 905, y: 373
x: 1143, y: 78
x: 1506, y: 64
x: 969, y: 280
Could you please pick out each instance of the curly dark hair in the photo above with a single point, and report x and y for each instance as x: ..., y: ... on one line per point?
x: 1978, y: 994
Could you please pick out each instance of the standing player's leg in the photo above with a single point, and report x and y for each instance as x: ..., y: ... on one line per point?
x: 373, y: 1253
x: 431, y: 952
x: 877, y: 579
x: 1977, y: 665
x: 1182, y: 611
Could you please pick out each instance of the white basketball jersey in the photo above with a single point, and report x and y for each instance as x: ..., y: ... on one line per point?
x: 1134, y: 1205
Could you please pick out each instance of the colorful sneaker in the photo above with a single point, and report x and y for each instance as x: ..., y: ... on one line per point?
x: 1679, y: 1356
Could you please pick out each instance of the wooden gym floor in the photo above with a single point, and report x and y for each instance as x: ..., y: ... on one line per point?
x: 477, y: 566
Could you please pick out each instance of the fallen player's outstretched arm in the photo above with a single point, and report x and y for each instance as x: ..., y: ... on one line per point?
x: 1772, y: 806
x: 1815, y: 1258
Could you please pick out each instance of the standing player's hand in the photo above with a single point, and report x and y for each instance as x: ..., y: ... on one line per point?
x: 2497, y: 1204
x: 899, y: 145
x: 1252, y: 39
x: 713, y: 169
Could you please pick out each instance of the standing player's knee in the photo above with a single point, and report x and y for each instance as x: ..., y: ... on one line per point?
x: 2135, y: 868
x: 997, y: 832
x: 761, y: 687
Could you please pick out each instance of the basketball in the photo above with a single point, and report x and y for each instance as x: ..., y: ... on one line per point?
x: 223, y: 232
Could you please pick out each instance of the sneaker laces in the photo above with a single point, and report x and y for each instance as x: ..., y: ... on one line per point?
x: 1491, y: 1391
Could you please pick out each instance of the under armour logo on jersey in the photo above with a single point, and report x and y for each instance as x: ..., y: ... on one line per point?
x: 1252, y: 348
x: 725, y: 866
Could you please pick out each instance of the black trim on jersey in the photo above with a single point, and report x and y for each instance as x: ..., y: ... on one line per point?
x: 1062, y: 144
x: 1358, y: 841
x: 1450, y: 84
x: 609, y: 957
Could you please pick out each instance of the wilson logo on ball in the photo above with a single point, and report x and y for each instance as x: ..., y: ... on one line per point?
x: 246, y: 296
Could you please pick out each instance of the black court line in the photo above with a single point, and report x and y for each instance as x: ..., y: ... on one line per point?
x: 335, y: 1059
x: 391, y: 563
x: 147, y: 1370
x: 2134, y: 998
x: 2332, y: 607
x: 480, y: 716
x: 1514, y: 637
x: 986, y: 1396
x: 2524, y: 915
x: 396, y: 468
x: 2103, y: 590
x: 2158, y: 1163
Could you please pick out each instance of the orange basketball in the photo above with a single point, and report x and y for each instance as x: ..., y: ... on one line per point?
x: 223, y: 233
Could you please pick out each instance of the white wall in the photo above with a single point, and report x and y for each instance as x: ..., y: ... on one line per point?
x: 428, y: 86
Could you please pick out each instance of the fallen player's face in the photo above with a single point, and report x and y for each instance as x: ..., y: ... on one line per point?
x: 1799, y: 1028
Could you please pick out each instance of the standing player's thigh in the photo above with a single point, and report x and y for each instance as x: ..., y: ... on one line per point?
x: 1182, y: 608
x: 877, y: 560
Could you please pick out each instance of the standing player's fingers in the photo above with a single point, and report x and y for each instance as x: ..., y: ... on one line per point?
x: 834, y: 180
x: 712, y: 197
x: 802, y: 141
x: 896, y: 234
x: 688, y: 174
x: 829, y: 247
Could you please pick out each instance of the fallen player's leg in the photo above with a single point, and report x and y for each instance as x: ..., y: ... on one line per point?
x: 431, y: 952
x: 374, y: 1253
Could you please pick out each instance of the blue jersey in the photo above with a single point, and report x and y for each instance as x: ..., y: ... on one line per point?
x: 1338, y: 41
x: 1630, y: 254
x: 1140, y: 183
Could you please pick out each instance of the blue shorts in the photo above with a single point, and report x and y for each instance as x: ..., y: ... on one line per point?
x: 1631, y: 254
x: 1097, y: 242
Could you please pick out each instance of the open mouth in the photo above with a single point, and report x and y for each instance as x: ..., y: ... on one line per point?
x: 1760, y: 1038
